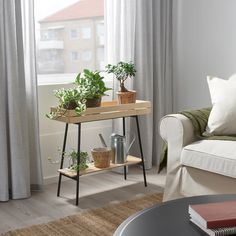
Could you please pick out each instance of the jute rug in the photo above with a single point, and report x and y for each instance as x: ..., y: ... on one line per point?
x: 97, y: 222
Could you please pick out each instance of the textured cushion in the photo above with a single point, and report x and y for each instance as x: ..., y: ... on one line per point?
x: 216, y: 156
x: 222, y: 119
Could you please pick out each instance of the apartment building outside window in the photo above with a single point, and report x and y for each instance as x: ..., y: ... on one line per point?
x: 74, y: 34
x: 86, y: 33
x: 69, y: 36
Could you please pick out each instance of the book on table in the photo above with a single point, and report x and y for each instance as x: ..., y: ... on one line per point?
x: 215, y: 232
x: 215, y: 218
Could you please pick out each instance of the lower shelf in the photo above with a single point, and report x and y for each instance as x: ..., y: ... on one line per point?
x: 131, y: 160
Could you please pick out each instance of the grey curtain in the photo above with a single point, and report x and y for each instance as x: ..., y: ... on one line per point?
x: 20, y: 163
x: 150, y: 47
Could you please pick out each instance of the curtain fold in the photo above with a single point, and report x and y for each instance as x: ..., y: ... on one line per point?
x: 148, y: 43
x: 18, y: 128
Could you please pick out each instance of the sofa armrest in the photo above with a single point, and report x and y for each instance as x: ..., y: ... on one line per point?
x: 177, y: 131
x: 177, y: 128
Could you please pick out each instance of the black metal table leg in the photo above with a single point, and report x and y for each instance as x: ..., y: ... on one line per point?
x: 62, y: 159
x: 125, y: 172
x: 141, y: 151
x: 78, y: 163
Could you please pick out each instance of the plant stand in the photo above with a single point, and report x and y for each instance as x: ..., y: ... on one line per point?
x: 108, y: 110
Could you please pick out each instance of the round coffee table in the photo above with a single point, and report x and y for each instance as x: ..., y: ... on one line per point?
x: 167, y: 219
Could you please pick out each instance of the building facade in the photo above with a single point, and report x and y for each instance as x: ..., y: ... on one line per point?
x: 72, y: 39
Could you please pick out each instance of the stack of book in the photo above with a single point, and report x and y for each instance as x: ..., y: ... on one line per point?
x: 215, y: 218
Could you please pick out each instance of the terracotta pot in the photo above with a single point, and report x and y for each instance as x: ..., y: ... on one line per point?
x: 126, y: 97
x: 101, y: 157
x: 93, y: 102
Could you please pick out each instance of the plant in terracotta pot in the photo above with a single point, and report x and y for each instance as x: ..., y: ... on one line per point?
x: 69, y: 99
x: 92, y: 87
x: 123, y: 71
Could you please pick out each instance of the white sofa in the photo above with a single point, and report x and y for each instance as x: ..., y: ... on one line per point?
x: 196, y: 167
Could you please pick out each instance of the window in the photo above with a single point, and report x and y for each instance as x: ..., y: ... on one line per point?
x: 63, y: 36
x: 86, y: 55
x: 74, y: 56
x: 86, y: 33
x: 74, y: 34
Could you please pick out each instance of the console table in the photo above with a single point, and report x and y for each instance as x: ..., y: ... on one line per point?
x: 108, y: 110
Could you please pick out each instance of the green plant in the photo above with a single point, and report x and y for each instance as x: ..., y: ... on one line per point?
x: 73, y: 159
x: 122, y: 71
x: 72, y: 156
x: 69, y: 99
x: 91, y: 84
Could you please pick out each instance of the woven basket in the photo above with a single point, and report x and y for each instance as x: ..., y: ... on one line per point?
x: 101, y: 157
x: 126, y: 97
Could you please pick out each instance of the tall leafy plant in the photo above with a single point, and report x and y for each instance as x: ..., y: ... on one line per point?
x: 91, y: 84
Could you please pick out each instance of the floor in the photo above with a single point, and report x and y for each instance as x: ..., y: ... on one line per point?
x: 95, y: 191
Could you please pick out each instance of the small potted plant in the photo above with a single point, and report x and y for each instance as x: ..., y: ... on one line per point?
x: 69, y: 99
x: 92, y: 87
x: 123, y: 71
x: 72, y: 156
x: 73, y: 160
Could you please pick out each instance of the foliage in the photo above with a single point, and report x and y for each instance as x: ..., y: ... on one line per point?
x: 91, y: 84
x: 122, y: 71
x: 69, y: 99
x: 73, y: 158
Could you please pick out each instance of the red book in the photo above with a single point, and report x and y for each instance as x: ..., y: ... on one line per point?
x: 214, y: 215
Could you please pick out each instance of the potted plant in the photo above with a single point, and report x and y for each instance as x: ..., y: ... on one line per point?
x: 92, y: 87
x: 123, y: 71
x: 72, y: 156
x: 69, y: 99
x: 73, y: 160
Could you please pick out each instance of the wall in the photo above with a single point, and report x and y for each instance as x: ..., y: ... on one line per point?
x: 51, y: 132
x: 204, y: 44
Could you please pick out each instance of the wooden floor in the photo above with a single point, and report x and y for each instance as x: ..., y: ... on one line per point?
x: 95, y: 191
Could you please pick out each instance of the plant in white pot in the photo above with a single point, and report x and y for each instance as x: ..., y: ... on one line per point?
x: 123, y: 71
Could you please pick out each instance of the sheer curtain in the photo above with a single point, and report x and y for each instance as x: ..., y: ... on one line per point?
x: 20, y: 163
x: 141, y: 31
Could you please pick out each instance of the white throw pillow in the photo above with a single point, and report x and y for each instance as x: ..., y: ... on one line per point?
x: 222, y: 119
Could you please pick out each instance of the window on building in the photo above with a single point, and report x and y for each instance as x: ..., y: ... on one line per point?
x: 86, y: 33
x: 74, y: 34
x: 87, y: 55
x: 58, y: 21
x: 74, y: 56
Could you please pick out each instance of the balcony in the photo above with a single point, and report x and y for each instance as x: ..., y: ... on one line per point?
x: 51, y: 44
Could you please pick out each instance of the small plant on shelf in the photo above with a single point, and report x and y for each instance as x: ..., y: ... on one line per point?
x: 92, y: 87
x: 122, y: 71
x: 72, y: 157
x: 73, y: 160
x: 69, y: 99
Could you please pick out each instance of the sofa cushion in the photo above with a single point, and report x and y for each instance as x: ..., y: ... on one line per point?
x: 223, y: 114
x: 216, y: 156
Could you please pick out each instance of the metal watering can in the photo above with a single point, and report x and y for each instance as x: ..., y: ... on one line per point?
x: 118, y: 147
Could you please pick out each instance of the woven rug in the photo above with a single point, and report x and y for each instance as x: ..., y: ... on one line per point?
x: 96, y: 222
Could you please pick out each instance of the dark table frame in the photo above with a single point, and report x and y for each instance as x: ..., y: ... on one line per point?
x: 77, y: 178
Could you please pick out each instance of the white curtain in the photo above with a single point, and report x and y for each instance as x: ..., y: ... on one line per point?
x: 141, y: 31
x: 20, y: 163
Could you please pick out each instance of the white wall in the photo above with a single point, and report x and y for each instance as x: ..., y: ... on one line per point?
x: 51, y: 132
x: 204, y: 44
